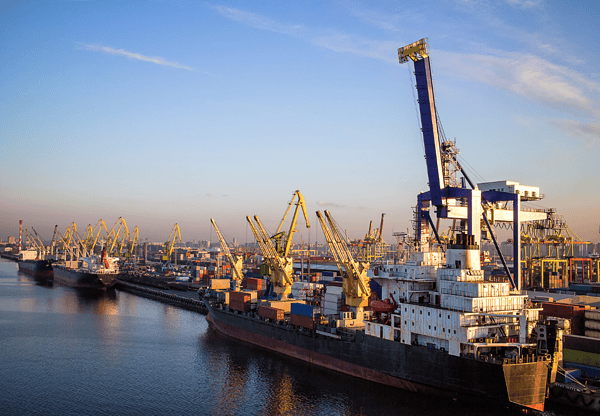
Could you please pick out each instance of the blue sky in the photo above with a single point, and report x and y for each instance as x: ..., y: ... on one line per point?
x: 168, y: 112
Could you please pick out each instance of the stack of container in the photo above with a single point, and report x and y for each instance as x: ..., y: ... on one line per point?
x: 592, y: 324
x: 240, y: 301
x: 252, y: 283
x: 303, y: 315
x: 332, y: 304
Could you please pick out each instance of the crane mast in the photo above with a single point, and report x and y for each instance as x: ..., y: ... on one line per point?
x: 284, y: 248
x: 355, y: 282
x: 235, y: 261
x: 282, y: 267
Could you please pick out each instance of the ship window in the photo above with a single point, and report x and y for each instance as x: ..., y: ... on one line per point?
x: 413, y: 311
x: 413, y: 324
x: 435, y: 328
x: 440, y: 315
x: 428, y: 313
x: 443, y: 329
x: 455, y: 331
x: 429, y: 326
x: 404, y: 322
x: 448, y: 316
x: 404, y: 309
x: 421, y: 312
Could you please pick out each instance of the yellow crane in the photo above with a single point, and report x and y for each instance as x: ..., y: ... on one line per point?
x: 282, y: 267
x: 170, y: 243
x: 283, y: 241
x: 133, y: 240
x: 116, y: 239
x: 355, y: 282
x: 236, y: 261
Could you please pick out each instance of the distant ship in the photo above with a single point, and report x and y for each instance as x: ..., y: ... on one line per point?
x: 94, y: 272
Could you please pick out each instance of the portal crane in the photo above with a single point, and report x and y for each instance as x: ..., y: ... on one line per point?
x: 170, y: 243
x: 284, y: 242
x: 119, y: 236
x: 282, y: 267
x: 355, y: 282
x: 447, y: 193
x: 236, y: 261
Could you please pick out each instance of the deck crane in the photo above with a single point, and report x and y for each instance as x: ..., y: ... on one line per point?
x: 282, y: 267
x: 355, y: 282
x: 236, y: 261
x: 283, y: 241
x: 170, y: 243
x: 447, y: 193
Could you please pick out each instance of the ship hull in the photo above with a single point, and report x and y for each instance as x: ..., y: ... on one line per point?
x: 40, y: 270
x: 83, y: 279
x: 408, y: 367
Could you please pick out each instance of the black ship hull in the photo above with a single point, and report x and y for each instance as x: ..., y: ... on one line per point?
x: 83, y: 279
x: 40, y: 270
x: 409, y: 367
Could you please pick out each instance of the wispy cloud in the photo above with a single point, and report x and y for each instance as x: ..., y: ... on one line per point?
x: 327, y: 38
x: 330, y: 204
x: 132, y: 55
x: 586, y: 130
x: 552, y: 85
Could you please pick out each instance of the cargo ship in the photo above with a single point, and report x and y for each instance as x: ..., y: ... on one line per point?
x: 40, y: 270
x: 93, y: 272
x: 447, y: 332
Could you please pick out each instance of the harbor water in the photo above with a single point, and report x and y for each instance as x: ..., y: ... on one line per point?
x: 66, y: 352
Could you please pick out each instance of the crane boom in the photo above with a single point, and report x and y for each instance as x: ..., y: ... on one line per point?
x: 282, y: 267
x: 355, y: 282
x: 417, y: 52
x: 300, y: 203
x: 235, y: 261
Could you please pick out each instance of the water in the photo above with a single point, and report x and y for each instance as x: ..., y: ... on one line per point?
x: 65, y: 352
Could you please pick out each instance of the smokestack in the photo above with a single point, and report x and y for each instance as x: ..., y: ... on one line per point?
x: 20, y: 232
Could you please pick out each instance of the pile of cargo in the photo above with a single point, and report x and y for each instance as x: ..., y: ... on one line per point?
x: 304, y: 315
x: 243, y: 301
x: 592, y: 324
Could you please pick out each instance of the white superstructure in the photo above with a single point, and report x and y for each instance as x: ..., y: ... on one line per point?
x: 444, y: 302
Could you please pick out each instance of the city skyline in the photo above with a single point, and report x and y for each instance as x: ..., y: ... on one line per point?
x: 179, y: 111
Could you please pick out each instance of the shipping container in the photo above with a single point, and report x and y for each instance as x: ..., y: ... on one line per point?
x: 576, y: 313
x: 253, y: 283
x: 582, y: 357
x: 593, y: 315
x: 239, y: 306
x: 220, y: 283
x: 581, y: 343
x: 303, y: 321
x: 304, y: 310
x: 286, y: 305
x: 243, y: 297
x: 271, y: 313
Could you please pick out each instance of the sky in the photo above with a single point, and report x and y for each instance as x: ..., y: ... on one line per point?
x: 165, y: 112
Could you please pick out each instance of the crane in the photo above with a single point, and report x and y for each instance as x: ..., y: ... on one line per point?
x: 283, y: 241
x: 448, y: 193
x: 355, y: 282
x: 236, y: 261
x: 170, y: 243
x: 119, y: 236
x: 282, y: 267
